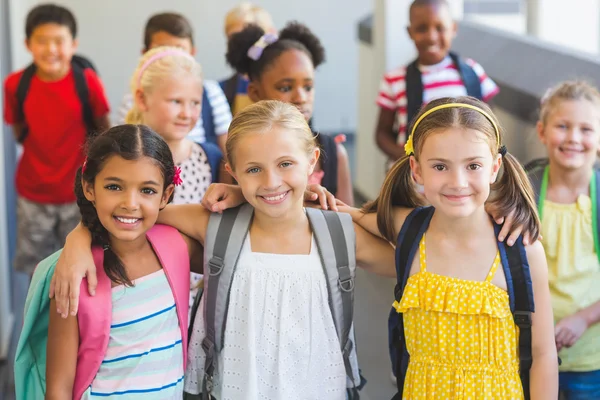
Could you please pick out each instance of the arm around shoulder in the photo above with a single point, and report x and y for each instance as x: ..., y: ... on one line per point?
x: 544, y: 370
x: 196, y: 252
x: 344, y: 180
x: 374, y: 254
x: 189, y: 219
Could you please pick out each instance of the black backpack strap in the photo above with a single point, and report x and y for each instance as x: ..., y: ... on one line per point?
x: 535, y: 172
x: 407, y: 246
x: 520, y: 293
x: 208, y: 122
x: 469, y: 76
x: 230, y: 90
x: 22, y: 90
x: 83, y: 94
x: 329, y: 162
x: 414, y: 92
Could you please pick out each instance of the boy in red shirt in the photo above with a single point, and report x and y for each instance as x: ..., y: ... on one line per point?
x: 50, y: 124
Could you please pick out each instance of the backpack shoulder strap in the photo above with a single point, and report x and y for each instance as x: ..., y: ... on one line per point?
x: 225, y: 237
x: 414, y: 92
x: 173, y: 254
x: 468, y: 76
x: 595, y: 208
x: 214, y: 156
x: 535, y: 172
x: 208, y: 122
x: 22, y: 90
x: 335, y: 238
x: 230, y: 89
x: 520, y: 293
x: 329, y: 162
x: 83, y: 94
x: 407, y: 246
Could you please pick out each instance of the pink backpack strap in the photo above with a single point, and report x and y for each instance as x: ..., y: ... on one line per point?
x: 174, y: 257
x: 94, y: 318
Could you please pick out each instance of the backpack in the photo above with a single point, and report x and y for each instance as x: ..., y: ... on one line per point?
x: 329, y: 162
x: 334, y: 234
x: 214, y: 156
x: 229, y: 87
x: 518, y: 282
x: 78, y: 64
x: 208, y: 122
x: 94, y: 316
x: 415, y: 89
x: 537, y: 172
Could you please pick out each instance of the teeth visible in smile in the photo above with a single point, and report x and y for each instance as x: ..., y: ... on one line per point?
x: 127, y: 220
x: 275, y: 198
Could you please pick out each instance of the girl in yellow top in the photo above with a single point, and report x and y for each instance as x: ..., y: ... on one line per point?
x: 569, y: 127
x: 460, y: 334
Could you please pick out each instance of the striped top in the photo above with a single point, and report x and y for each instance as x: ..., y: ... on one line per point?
x: 221, y: 113
x: 439, y: 80
x: 144, y: 358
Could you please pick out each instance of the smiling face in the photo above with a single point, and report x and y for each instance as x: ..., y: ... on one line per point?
x: 571, y: 134
x: 52, y: 47
x: 432, y: 29
x: 290, y: 78
x: 456, y: 168
x: 173, y: 106
x: 272, y: 169
x: 128, y: 195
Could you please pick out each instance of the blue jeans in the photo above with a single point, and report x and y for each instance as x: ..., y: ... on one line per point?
x: 580, y: 385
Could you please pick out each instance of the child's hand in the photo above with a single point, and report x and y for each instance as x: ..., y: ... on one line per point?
x: 508, y: 229
x: 317, y: 193
x: 220, y: 197
x: 568, y: 331
x: 75, y: 263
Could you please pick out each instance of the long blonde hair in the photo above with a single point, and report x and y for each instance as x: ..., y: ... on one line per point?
x: 264, y: 116
x: 512, y: 192
x: 153, y: 66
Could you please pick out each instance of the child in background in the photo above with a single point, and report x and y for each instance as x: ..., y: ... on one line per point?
x: 435, y: 73
x: 282, y: 67
x: 167, y: 91
x: 174, y: 30
x: 245, y: 13
x: 567, y: 184
x: 131, y: 337
x: 52, y: 128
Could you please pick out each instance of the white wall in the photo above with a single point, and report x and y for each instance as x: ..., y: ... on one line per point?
x: 111, y: 35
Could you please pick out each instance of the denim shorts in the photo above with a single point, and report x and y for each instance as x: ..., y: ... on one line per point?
x: 580, y: 385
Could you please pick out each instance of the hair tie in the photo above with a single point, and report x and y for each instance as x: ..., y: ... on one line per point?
x: 409, y: 148
x: 177, y: 177
x: 255, y: 52
x: 158, y: 56
x: 503, y: 150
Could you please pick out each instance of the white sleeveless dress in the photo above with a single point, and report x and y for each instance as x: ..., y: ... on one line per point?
x: 280, y: 338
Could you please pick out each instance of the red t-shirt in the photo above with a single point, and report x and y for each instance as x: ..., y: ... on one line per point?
x: 53, y: 148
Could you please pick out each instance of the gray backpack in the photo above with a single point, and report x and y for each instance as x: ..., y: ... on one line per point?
x: 335, y: 238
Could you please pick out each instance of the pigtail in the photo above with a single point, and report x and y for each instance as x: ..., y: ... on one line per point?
x: 513, y: 193
x: 113, y: 267
x: 238, y: 46
x: 300, y: 33
x: 134, y: 116
x: 398, y: 190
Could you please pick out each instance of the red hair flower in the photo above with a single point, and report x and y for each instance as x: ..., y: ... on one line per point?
x: 177, y: 177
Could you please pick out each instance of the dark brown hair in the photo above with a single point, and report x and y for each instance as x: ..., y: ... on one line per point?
x: 511, y: 193
x: 130, y: 142
x: 50, y: 14
x: 172, y: 23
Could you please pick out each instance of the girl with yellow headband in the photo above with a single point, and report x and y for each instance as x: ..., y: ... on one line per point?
x: 458, y: 329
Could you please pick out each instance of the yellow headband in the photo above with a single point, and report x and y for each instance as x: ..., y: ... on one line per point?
x: 408, y: 147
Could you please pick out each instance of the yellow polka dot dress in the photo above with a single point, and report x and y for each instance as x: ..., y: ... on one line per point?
x: 461, y: 338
